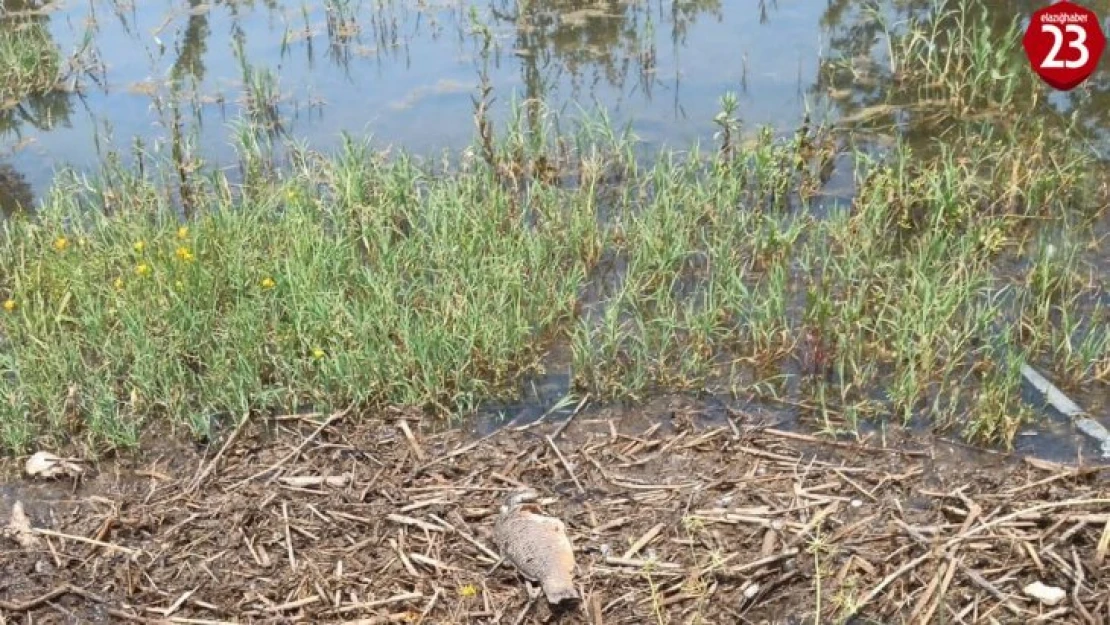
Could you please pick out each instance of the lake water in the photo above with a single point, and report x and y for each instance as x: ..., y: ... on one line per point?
x: 405, y: 72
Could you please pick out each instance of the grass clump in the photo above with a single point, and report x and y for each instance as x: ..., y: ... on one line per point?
x: 892, y: 306
x: 357, y: 278
x: 393, y: 288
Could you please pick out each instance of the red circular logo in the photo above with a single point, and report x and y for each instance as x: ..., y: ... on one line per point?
x: 1064, y: 43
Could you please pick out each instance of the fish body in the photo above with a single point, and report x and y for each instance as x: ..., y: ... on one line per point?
x: 538, y: 546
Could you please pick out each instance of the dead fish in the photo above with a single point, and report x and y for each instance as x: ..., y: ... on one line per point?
x: 538, y: 546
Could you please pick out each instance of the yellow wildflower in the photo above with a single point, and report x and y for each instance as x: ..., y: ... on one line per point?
x: 468, y: 591
x: 60, y: 244
x: 268, y: 283
x: 139, y: 247
x: 318, y: 353
x: 184, y: 254
x: 182, y: 232
x: 179, y: 285
x: 82, y: 242
x: 118, y: 284
x: 9, y: 305
x: 142, y: 269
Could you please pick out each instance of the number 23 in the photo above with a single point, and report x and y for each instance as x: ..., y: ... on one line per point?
x: 1079, y: 43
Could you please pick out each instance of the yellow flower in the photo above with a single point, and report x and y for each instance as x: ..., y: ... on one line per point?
x: 82, y: 242
x: 9, y: 305
x: 118, y: 284
x: 184, y: 254
x: 139, y: 247
x: 318, y: 353
x: 179, y: 285
x: 142, y: 269
x: 61, y: 244
x: 182, y: 232
x: 268, y: 283
x: 468, y: 591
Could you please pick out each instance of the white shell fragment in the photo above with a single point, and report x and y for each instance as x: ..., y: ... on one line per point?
x: 19, y: 528
x: 47, y: 465
x: 1048, y: 595
x: 305, y: 481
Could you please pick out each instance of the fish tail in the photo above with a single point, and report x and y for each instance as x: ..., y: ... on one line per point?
x: 560, y: 591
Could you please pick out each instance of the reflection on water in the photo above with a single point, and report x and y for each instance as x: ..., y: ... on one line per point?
x: 15, y: 192
x: 26, y: 109
x: 858, y: 33
x: 406, y: 72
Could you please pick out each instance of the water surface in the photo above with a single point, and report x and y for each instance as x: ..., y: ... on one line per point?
x: 405, y: 72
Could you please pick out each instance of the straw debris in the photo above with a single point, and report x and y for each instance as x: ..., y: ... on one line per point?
x: 670, y: 524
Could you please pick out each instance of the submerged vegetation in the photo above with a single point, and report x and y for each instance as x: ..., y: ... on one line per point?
x: 374, y: 279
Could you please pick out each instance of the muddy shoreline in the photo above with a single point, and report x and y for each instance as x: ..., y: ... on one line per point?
x: 333, y: 519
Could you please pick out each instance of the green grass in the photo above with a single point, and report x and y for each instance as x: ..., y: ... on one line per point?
x: 360, y: 278
x: 356, y: 278
x: 396, y: 288
x: 30, y: 61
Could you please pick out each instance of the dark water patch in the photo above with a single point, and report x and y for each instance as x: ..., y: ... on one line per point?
x: 1053, y: 437
x: 547, y: 396
x: 783, y: 396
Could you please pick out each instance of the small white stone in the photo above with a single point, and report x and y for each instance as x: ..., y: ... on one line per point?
x: 19, y: 528
x: 46, y: 464
x: 856, y: 503
x: 1048, y: 595
x: 751, y: 591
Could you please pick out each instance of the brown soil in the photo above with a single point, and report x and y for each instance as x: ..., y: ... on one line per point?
x: 672, y: 523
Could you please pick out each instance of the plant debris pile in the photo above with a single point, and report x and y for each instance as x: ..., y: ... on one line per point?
x: 674, y: 520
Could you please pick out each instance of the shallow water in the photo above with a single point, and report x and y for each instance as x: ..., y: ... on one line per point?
x: 406, y: 73
x: 548, y: 399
